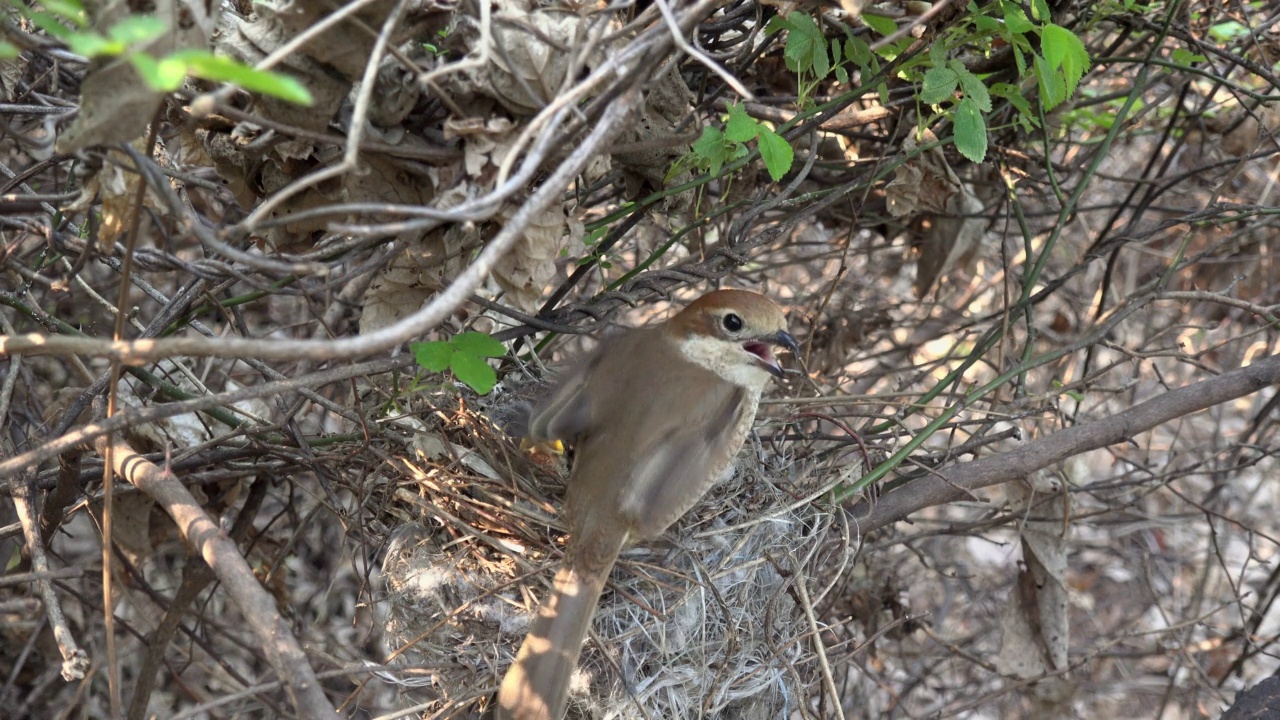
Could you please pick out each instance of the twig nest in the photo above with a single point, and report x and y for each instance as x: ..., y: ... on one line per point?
x: 701, y: 623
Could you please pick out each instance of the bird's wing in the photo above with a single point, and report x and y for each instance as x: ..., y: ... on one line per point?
x: 682, y: 431
x: 565, y: 413
x: 675, y: 471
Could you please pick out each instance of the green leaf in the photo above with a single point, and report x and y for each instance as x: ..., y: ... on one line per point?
x: 973, y: 86
x: 1040, y: 10
x: 987, y: 24
x: 1228, y: 31
x: 842, y: 75
x: 710, y: 149
x: 804, y: 44
x: 879, y: 23
x: 937, y: 54
x: 1015, y: 19
x: 68, y: 10
x: 1186, y: 58
x: 478, y: 344
x: 204, y: 64
x: 776, y: 153
x: 92, y: 45
x: 434, y: 355
x: 971, y: 131
x: 818, y: 58
x: 1020, y: 59
x: 1053, y: 88
x: 708, y: 144
x: 1062, y: 49
x: 160, y: 75
x: 939, y: 84
x: 741, y: 127
x: 857, y: 52
x: 8, y: 50
x: 1017, y: 100
x: 50, y: 24
x: 776, y: 24
x: 136, y: 29
x: 474, y: 372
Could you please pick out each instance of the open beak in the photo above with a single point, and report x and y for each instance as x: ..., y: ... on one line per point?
x: 763, y: 350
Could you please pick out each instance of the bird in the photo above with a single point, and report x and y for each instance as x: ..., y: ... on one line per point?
x: 655, y: 416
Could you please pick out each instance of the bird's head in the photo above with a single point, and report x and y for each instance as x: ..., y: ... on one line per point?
x: 733, y: 334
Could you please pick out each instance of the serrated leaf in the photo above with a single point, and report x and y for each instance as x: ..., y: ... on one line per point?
x: 857, y: 52
x: 710, y: 149
x: 802, y: 37
x: 971, y: 131
x: 1015, y: 19
x: 1017, y: 100
x: 821, y: 63
x: 478, y: 344
x: 972, y: 86
x: 1053, y: 88
x: 1063, y: 50
x: 205, y: 65
x: 434, y: 355
x: 937, y: 54
x: 842, y: 75
x: 1020, y: 59
x: 708, y: 144
x: 986, y: 24
x: 776, y: 153
x: 939, y: 84
x: 879, y: 23
x: 1040, y: 10
x: 776, y: 24
x: 740, y: 127
x: 136, y: 29
x: 474, y: 372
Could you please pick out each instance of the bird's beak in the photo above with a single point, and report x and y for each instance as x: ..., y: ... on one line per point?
x: 760, y: 347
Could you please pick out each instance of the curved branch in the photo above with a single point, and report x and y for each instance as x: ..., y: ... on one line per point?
x: 956, y: 482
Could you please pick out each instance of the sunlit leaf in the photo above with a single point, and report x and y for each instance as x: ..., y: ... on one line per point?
x: 474, y: 372
x: 971, y: 131
x: 741, y: 127
x: 433, y: 356
x: 206, y: 65
x: 478, y: 344
x: 776, y: 153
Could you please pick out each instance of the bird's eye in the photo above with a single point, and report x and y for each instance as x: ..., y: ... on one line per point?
x: 732, y: 322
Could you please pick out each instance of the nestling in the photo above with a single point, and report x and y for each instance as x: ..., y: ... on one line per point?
x: 657, y: 414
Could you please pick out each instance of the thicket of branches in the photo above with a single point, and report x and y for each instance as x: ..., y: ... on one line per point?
x: 1025, y: 466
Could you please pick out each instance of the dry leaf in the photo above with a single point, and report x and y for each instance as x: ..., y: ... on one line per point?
x: 927, y: 188
x: 1035, y: 633
x: 531, y: 57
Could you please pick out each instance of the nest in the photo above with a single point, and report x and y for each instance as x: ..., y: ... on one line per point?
x: 708, y: 621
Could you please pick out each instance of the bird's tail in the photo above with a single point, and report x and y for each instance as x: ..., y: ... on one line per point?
x: 537, y: 685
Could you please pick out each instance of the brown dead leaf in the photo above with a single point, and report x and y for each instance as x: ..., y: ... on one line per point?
x: 927, y: 188
x: 532, y: 54
x: 116, y: 188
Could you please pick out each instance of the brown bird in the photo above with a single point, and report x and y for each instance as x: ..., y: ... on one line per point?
x: 657, y: 415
